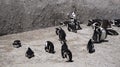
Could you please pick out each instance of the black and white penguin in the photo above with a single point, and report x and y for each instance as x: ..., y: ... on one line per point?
x: 62, y: 34
x: 29, y: 53
x: 72, y: 27
x: 78, y: 27
x: 92, y: 21
x: 63, y: 48
x: 99, y: 34
x: 65, y: 52
x: 116, y: 22
x: 90, y: 46
x: 68, y: 54
x: 96, y: 34
x: 17, y: 44
x: 49, y: 47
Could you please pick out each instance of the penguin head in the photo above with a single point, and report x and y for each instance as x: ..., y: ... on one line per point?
x: 90, y: 22
x: 57, y: 28
x: 90, y: 40
x: 29, y: 48
x: 96, y: 26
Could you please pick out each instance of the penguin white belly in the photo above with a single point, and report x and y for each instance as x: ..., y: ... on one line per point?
x: 103, y: 35
x: 46, y: 44
x: 93, y: 26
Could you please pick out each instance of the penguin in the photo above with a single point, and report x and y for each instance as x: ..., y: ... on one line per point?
x: 99, y: 34
x: 90, y: 46
x: 65, y: 52
x: 68, y: 55
x: 49, y: 47
x: 78, y: 27
x: 29, y: 53
x: 116, y: 22
x: 92, y: 21
x: 96, y: 34
x: 72, y: 26
x: 63, y: 48
x: 17, y: 44
x: 62, y: 34
x: 69, y: 27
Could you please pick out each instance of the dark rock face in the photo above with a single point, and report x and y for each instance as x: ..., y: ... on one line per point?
x: 24, y: 15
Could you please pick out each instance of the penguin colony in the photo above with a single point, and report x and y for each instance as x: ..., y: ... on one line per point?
x: 100, y: 32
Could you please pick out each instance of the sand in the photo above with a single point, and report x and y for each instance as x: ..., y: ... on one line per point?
x: 107, y: 54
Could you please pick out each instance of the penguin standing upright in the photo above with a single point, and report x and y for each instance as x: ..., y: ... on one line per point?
x: 72, y: 26
x: 63, y: 48
x: 99, y: 34
x: 78, y: 27
x: 62, y: 34
x: 65, y: 52
x: 90, y: 46
x: 96, y: 34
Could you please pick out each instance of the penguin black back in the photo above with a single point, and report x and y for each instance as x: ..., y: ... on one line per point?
x: 90, y: 46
